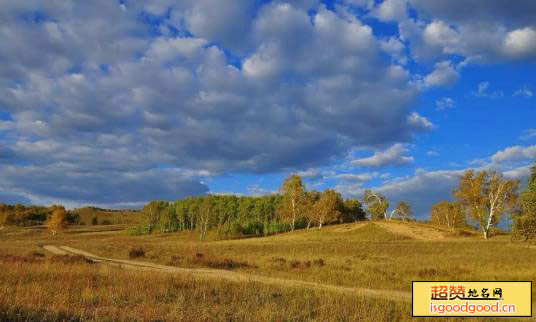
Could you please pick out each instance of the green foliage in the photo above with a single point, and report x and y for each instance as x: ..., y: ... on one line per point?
x: 237, y: 217
x: 353, y: 211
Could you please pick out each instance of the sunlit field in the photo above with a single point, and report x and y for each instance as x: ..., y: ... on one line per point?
x: 384, y: 256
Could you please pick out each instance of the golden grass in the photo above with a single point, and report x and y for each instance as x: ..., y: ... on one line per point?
x: 44, y: 290
x: 372, y: 256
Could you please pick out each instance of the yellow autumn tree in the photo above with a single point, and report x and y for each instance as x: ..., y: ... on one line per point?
x: 485, y: 196
x: 58, y: 220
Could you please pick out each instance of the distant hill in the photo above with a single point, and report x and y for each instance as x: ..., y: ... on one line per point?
x: 100, y: 216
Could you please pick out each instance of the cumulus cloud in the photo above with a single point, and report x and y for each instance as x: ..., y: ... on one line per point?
x: 178, y: 91
x: 514, y: 154
x: 420, y: 122
x: 520, y: 43
x: 424, y: 188
x: 391, y: 10
x: 395, y: 48
x: 482, y: 32
x: 396, y: 155
x: 444, y: 74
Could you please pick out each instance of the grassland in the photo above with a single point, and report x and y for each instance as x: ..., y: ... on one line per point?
x: 381, y: 256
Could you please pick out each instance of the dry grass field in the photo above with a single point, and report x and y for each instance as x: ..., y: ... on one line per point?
x: 383, y: 257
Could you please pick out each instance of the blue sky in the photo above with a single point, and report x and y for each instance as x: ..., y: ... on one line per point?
x: 114, y: 103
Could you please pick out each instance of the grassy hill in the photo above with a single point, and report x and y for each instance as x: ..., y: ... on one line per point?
x: 99, y: 216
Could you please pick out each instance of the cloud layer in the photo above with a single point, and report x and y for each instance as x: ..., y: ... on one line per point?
x: 175, y: 92
x: 119, y: 102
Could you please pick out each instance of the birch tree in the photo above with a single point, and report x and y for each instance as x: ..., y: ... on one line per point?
x: 403, y: 210
x: 485, y: 196
x: 57, y: 221
x: 377, y: 204
x: 152, y: 212
x: 448, y: 214
x: 327, y: 207
x: 292, y: 207
x: 205, y: 212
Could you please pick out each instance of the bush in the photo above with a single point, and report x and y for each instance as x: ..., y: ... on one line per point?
x: 200, y: 259
x: 36, y: 254
x: 94, y: 221
x: 136, y: 252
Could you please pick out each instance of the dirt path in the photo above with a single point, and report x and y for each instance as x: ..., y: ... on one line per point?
x: 228, y: 275
x: 413, y: 231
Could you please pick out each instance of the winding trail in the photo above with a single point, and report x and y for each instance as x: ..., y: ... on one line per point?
x: 228, y: 275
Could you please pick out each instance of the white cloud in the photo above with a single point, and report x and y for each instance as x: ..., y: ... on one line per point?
x: 519, y: 173
x: 391, y: 10
x: 490, y: 31
x: 420, y: 122
x: 445, y: 103
x: 259, y: 88
x: 312, y: 174
x: 483, y: 91
x: 361, y: 177
x: 444, y: 74
x: 520, y: 43
x: 257, y: 191
x: 394, y: 156
x: 514, y: 154
x: 528, y: 134
x: 395, y: 48
x: 524, y: 92
x: 432, y: 153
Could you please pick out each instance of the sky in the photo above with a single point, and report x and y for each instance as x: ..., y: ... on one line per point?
x: 114, y: 103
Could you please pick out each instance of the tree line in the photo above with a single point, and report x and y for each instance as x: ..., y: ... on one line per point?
x: 482, y: 198
x: 232, y: 216
x: 21, y: 215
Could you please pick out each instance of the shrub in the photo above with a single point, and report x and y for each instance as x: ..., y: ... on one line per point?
x: 94, y: 221
x: 136, y: 252
x: 200, y: 259
x: 36, y: 254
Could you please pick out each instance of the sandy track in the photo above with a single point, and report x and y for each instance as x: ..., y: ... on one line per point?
x: 412, y: 231
x: 227, y: 275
